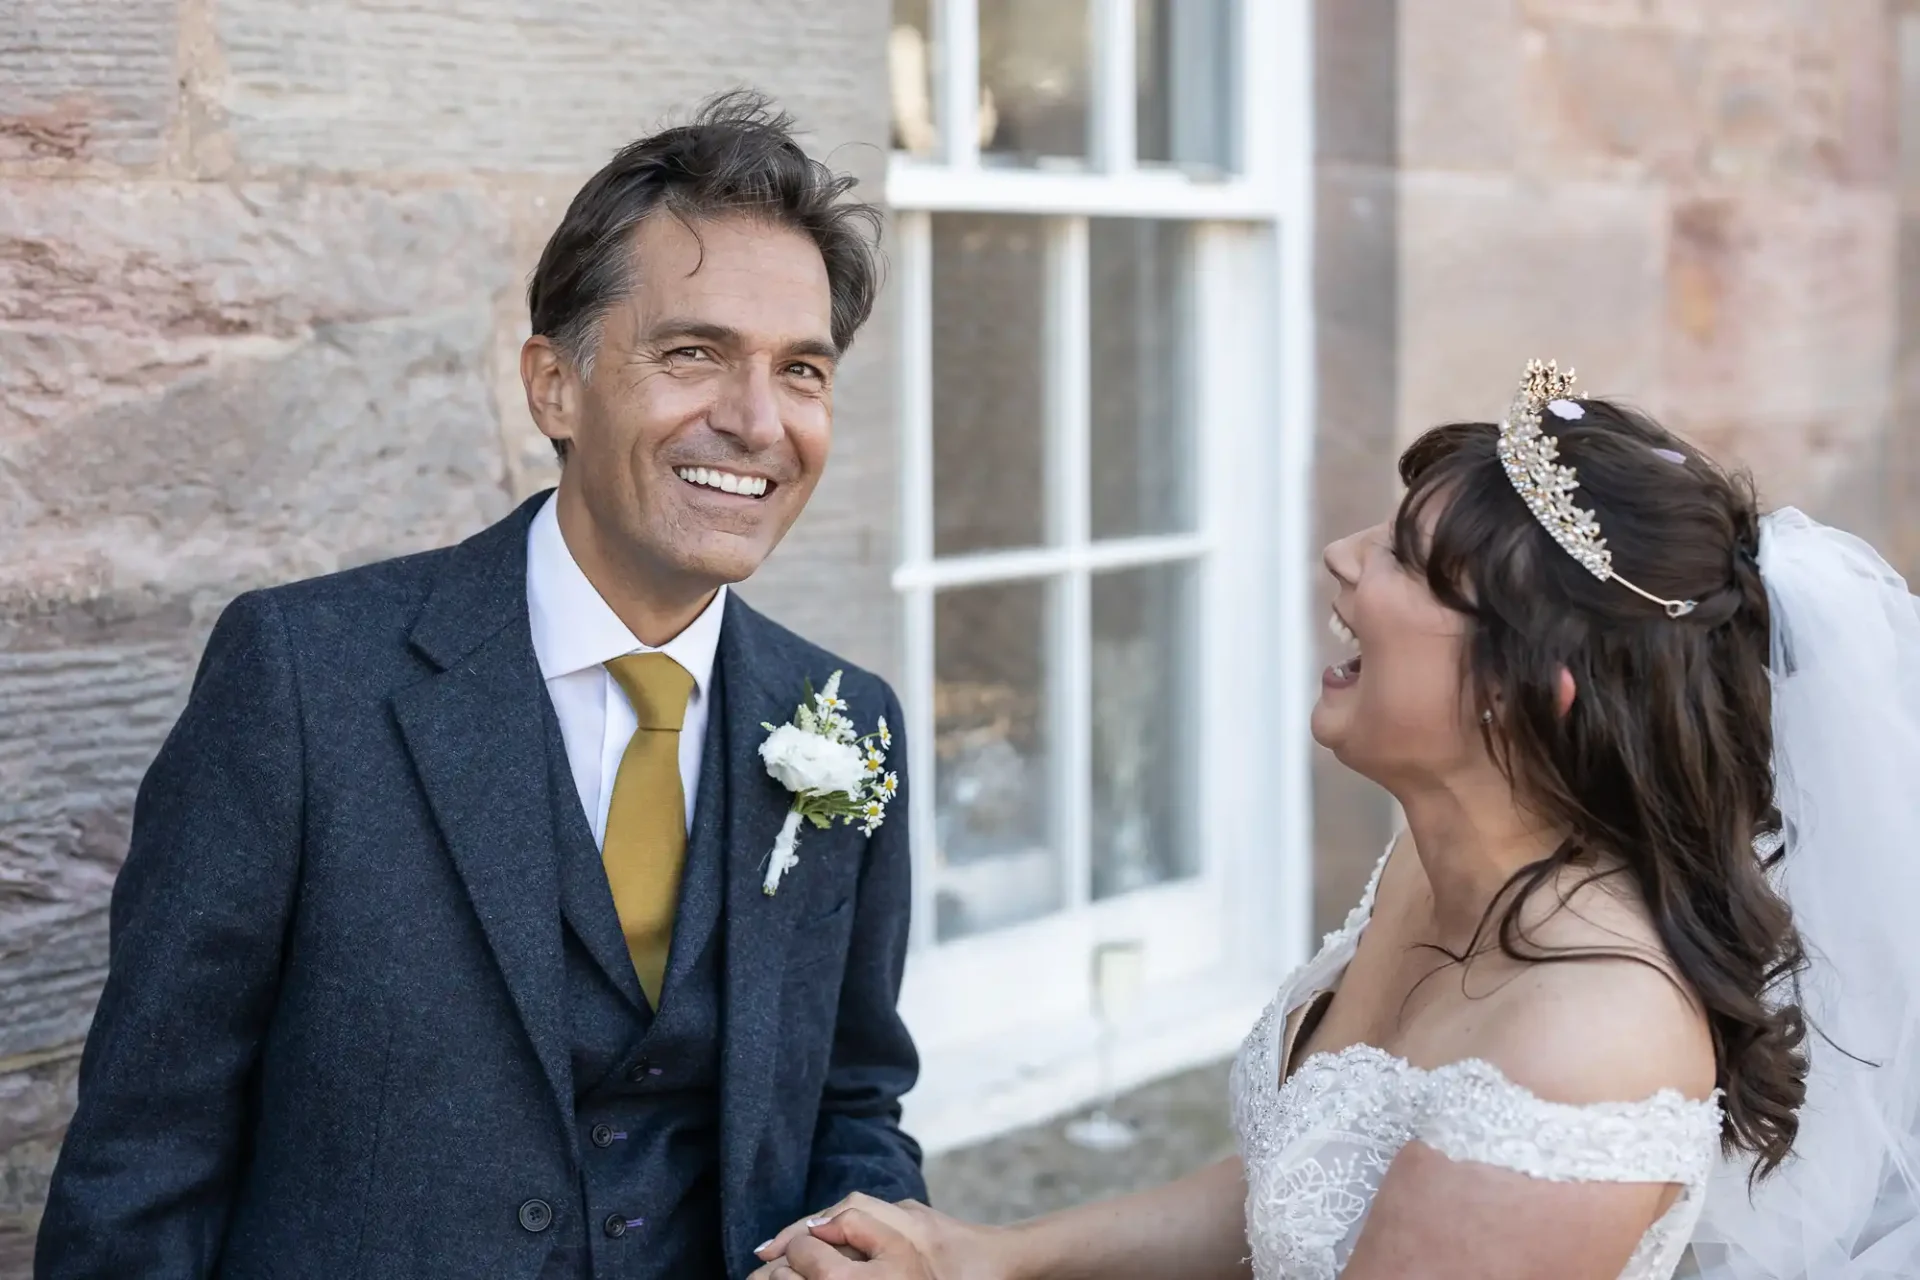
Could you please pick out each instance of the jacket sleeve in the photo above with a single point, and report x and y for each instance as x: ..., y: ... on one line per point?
x: 146, y: 1179
x: 858, y: 1144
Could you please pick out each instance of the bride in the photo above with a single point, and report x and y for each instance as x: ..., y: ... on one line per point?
x: 1574, y: 1028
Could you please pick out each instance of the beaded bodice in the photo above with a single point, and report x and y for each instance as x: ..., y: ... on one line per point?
x: 1317, y: 1145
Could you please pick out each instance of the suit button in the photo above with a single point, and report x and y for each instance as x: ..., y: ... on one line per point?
x: 642, y: 1071
x: 616, y: 1227
x: 536, y: 1216
x: 602, y: 1136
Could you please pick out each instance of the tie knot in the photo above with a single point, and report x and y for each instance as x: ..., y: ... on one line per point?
x: 657, y: 686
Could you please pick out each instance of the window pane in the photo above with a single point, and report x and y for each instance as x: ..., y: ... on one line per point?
x: 910, y: 53
x: 1184, y: 82
x: 989, y: 382
x: 1142, y: 468
x: 996, y: 861
x: 1033, y: 80
x: 1144, y: 739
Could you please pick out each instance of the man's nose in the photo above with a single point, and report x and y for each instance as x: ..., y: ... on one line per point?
x: 748, y: 408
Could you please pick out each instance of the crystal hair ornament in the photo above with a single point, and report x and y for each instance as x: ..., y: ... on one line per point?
x: 1532, y: 461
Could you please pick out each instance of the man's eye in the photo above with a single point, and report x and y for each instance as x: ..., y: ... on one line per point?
x: 688, y: 353
x: 801, y: 369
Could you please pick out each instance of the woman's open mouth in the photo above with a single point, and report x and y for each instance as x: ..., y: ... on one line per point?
x: 1345, y: 673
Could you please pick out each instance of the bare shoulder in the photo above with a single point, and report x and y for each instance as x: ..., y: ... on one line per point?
x: 1620, y: 1024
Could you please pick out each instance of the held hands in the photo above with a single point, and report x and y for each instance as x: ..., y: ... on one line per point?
x: 866, y: 1239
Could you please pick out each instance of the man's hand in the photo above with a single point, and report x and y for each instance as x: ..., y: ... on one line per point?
x: 821, y: 1253
x: 919, y: 1244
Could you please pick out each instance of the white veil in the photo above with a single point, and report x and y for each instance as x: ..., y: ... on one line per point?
x: 1846, y: 741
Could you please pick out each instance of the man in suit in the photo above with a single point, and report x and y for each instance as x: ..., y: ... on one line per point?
x: 441, y: 949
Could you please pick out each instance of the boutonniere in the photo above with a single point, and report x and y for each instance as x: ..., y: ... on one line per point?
x: 832, y: 772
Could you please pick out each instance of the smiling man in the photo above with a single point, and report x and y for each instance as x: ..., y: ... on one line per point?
x: 443, y: 948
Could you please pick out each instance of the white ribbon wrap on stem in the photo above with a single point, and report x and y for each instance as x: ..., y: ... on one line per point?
x: 783, y: 858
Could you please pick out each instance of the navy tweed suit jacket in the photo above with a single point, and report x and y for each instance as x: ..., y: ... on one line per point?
x: 333, y: 1040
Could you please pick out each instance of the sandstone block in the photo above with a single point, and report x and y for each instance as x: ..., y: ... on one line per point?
x: 1907, y: 45
x: 1782, y: 340
x: 1612, y: 102
x: 187, y: 360
x: 1459, y: 84
x: 200, y: 260
x: 1356, y: 80
x: 1676, y: 15
x: 504, y: 86
x: 36, y: 1097
x: 1494, y: 272
x: 1793, y: 92
x: 1780, y: 326
x: 86, y: 80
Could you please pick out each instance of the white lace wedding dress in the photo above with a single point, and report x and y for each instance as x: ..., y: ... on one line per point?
x: 1317, y: 1144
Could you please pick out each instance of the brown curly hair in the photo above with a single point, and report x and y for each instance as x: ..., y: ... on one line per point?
x: 1664, y: 762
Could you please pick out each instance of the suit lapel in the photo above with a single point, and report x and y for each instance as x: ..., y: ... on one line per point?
x: 757, y: 926
x: 476, y: 732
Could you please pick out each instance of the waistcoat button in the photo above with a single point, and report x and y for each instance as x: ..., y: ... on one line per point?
x: 536, y: 1216
x: 601, y: 1135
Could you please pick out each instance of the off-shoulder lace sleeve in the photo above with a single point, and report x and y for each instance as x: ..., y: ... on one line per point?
x: 1472, y: 1112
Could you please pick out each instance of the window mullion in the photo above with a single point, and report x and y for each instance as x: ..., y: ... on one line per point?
x: 1068, y: 430
x: 957, y: 70
x: 1114, y: 90
x: 916, y: 551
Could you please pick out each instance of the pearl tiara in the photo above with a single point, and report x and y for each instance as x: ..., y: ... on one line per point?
x: 1532, y: 460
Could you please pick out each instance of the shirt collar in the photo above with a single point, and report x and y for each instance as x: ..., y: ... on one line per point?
x: 574, y: 628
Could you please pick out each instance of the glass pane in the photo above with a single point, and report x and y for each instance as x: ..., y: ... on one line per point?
x: 1033, y: 80
x: 995, y: 859
x: 989, y: 382
x: 1144, y: 743
x: 910, y: 52
x: 1142, y: 467
x: 1184, y: 83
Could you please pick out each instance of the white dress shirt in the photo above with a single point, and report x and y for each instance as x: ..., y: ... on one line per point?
x: 575, y: 634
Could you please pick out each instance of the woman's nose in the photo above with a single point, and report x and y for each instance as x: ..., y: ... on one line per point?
x: 1343, y: 558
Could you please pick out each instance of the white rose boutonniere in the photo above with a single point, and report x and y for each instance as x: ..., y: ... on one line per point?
x: 832, y: 772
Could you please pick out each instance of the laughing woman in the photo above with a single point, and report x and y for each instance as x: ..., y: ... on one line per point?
x: 1574, y: 1029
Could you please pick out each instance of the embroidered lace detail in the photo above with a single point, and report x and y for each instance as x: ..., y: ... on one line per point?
x: 1317, y: 1146
x: 1475, y: 1113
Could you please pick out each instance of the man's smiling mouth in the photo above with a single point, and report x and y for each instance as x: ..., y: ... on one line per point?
x: 733, y: 482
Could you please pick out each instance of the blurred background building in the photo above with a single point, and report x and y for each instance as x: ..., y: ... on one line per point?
x: 1170, y: 282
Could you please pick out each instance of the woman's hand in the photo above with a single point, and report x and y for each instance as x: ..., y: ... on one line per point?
x: 905, y: 1241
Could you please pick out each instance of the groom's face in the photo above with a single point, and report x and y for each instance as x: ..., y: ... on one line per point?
x: 707, y: 418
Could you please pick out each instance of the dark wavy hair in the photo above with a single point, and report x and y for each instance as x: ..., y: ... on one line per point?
x: 1663, y: 764
x: 738, y: 156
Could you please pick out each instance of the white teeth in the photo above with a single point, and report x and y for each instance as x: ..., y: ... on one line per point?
x: 1341, y: 631
x: 725, y: 481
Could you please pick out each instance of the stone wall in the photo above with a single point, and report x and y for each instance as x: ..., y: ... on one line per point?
x: 261, y: 267
x: 1706, y: 207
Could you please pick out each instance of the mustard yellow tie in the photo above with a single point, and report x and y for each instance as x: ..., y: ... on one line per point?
x: 646, y: 842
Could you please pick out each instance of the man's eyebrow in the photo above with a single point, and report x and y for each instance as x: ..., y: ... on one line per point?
x: 728, y: 336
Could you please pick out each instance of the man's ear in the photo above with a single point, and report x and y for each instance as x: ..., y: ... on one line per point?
x: 553, y: 388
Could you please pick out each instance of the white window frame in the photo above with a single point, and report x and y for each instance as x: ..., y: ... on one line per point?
x: 999, y: 1049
